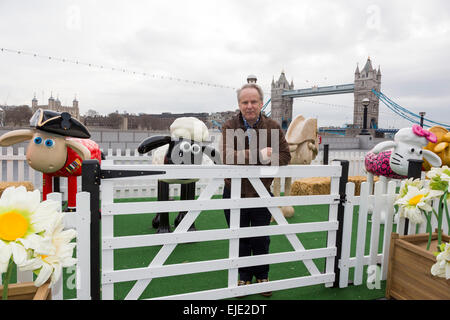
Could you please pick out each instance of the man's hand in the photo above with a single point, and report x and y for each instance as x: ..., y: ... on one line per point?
x: 266, y: 153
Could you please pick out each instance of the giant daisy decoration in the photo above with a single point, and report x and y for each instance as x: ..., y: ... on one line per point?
x: 415, y: 205
x: 31, y: 231
x: 442, y: 266
x: 416, y: 202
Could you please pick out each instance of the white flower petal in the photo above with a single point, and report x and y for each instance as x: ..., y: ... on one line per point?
x: 5, y: 252
x: 3, y: 267
x: 44, y: 274
x: 68, y: 235
x: 69, y: 262
x: 31, y: 264
x: 436, y: 270
x: 447, y: 271
x: 28, y: 200
x: 57, y: 272
x: 425, y: 206
x: 19, y: 253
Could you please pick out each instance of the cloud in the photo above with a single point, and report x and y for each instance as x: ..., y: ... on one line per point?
x: 221, y: 43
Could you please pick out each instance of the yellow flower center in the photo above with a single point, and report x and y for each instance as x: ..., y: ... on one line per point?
x: 13, y: 225
x: 415, y: 200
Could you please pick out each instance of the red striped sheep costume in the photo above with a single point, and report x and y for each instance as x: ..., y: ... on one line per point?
x: 57, y: 147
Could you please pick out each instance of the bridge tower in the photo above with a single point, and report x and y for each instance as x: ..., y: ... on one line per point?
x: 281, y: 107
x: 366, y: 80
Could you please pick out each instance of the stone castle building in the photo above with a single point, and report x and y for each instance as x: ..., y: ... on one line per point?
x: 55, y: 105
x: 281, y: 108
x: 366, y: 80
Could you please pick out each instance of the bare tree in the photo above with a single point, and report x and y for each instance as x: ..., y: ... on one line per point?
x: 18, y: 116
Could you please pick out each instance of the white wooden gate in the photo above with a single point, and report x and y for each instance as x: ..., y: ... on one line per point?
x: 169, y: 241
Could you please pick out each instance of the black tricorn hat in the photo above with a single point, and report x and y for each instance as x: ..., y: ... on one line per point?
x: 60, y: 123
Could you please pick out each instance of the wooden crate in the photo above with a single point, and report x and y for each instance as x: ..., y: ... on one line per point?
x: 27, y: 291
x: 409, y: 273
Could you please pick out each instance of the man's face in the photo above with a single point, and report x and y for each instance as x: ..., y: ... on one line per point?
x: 250, y: 104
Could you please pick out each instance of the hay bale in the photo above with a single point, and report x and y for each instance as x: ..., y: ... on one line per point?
x: 321, y: 185
x: 5, y: 184
x: 310, y: 186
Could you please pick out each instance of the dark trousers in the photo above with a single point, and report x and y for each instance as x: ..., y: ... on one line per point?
x: 251, y: 217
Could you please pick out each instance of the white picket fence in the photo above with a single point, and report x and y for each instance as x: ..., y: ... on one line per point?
x: 13, y: 167
x: 355, y: 159
x: 381, y: 202
x: 78, y: 276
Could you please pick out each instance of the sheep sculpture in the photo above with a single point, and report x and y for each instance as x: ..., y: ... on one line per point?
x: 441, y: 147
x: 390, y: 159
x: 58, y: 145
x: 187, y: 144
x: 301, y: 136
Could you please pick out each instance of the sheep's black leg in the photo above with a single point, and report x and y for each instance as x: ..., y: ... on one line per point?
x: 161, y: 220
x: 187, y: 193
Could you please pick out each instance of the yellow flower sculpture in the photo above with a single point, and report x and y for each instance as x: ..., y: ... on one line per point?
x: 58, y: 254
x: 32, y: 236
x: 416, y: 201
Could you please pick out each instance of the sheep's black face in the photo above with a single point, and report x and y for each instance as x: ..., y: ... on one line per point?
x: 184, y: 151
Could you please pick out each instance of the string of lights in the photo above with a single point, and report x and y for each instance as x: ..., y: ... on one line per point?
x: 116, y: 69
x: 146, y: 74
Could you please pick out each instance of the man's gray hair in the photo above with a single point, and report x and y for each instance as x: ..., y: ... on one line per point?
x: 251, y: 86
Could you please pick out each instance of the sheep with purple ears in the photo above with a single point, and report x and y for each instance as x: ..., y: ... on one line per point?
x: 389, y: 159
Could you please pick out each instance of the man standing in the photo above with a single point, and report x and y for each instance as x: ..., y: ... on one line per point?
x: 252, y: 138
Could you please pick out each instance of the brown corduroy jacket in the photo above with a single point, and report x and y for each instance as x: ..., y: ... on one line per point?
x: 243, y: 153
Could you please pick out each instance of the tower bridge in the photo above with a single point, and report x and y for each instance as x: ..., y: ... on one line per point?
x: 283, y: 94
x: 320, y: 91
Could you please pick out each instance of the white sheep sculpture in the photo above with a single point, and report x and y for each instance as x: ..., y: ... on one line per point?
x: 303, y: 145
x: 390, y: 159
x: 187, y: 144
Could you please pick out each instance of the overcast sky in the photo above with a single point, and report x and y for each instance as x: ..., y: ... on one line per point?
x: 221, y: 43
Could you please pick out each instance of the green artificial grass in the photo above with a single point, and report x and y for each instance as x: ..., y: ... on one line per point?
x: 141, y: 257
x: 140, y: 224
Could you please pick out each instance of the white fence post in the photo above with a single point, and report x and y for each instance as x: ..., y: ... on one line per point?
x: 83, y: 275
x: 234, y: 225
x: 389, y: 217
x: 361, y: 233
x: 376, y: 217
x: 346, y: 236
x: 57, y: 289
x: 107, y: 227
x: 79, y: 220
x: 9, y: 164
